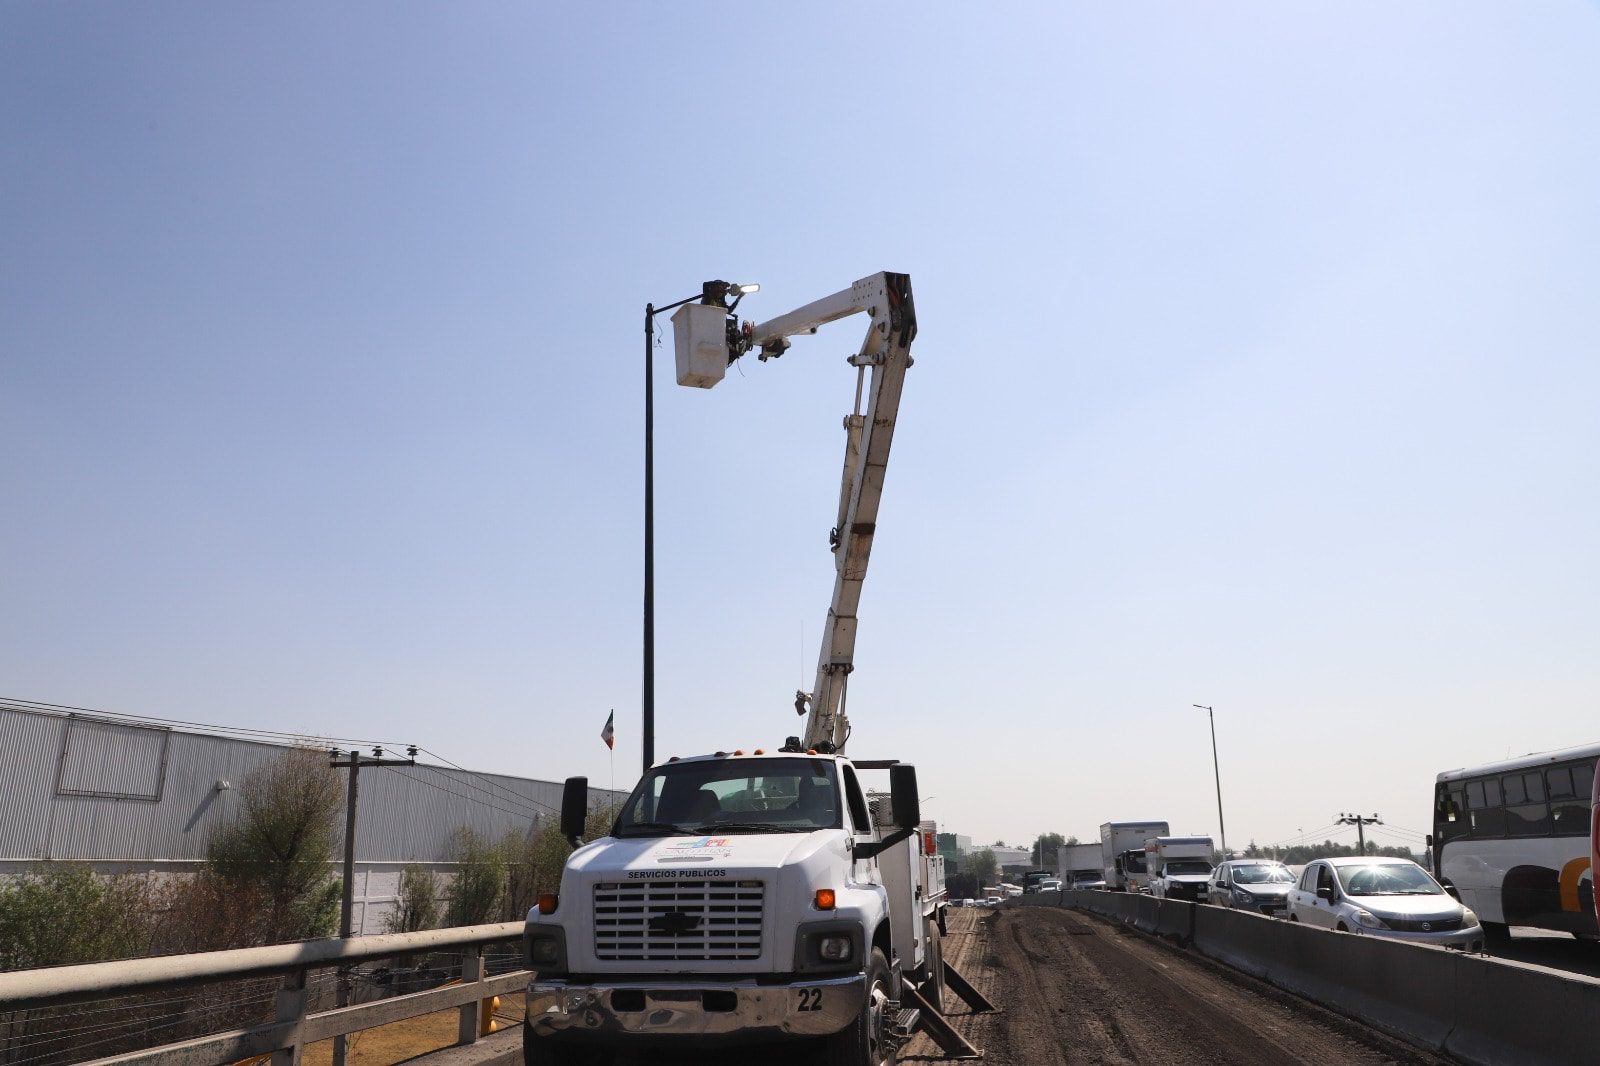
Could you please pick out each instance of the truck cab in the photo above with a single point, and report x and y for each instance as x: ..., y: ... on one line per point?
x: 1179, y: 867
x: 1122, y: 853
x: 736, y: 898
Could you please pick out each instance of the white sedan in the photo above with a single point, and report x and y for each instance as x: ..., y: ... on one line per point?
x: 1381, y: 896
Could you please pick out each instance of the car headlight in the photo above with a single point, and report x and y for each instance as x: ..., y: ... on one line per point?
x: 1241, y: 896
x: 1468, y: 918
x: 1368, y: 920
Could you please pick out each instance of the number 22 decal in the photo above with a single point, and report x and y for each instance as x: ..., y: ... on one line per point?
x: 810, y: 999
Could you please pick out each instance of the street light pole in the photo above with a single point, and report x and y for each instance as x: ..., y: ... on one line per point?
x: 1216, y: 769
x: 711, y: 292
x: 648, y: 702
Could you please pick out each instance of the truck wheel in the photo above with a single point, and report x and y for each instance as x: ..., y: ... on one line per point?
x: 865, y: 1041
x: 540, y: 1051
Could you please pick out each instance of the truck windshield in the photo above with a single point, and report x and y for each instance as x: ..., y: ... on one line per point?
x: 740, y: 795
x: 1187, y: 866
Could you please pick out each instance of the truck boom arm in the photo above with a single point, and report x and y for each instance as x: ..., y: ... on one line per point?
x: 880, y: 364
x: 703, y: 332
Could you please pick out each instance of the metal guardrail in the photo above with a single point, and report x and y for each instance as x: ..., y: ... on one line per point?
x: 292, y: 1028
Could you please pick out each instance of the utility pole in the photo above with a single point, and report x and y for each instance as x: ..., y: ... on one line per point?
x: 1361, y: 824
x: 353, y: 763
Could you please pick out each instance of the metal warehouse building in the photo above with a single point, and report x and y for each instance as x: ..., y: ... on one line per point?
x: 140, y: 798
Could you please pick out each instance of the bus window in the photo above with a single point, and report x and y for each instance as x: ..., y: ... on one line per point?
x: 1485, y: 815
x: 1449, y: 812
x: 1569, y: 799
x: 1526, y: 813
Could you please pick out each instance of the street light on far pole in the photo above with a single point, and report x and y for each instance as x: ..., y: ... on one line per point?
x: 1222, y: 827
x: 714, y: 293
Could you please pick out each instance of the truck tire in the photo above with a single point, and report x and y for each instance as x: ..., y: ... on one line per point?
x: 865, y: 1041
x: 537, y: 1051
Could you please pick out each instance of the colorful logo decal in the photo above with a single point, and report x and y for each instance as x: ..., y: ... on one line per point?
x: 703, y: 842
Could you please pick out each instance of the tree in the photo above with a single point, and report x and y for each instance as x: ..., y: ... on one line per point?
x: 417, y: 907
x: 962, y: 886
x: 1044, y: 848
x: 537, y: 857
x: 981, y: 865
x: 479, y: 884
x: 282, y: 844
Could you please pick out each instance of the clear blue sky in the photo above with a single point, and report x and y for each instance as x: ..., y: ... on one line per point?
x: 1257, y: 368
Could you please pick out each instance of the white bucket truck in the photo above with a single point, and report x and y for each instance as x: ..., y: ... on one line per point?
x: 1179, y: 867
x: 742, y: 898
x: 1122, y: 853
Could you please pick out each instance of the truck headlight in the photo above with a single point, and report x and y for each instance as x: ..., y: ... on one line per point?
x: 835, y: 947
x: 544, y: 948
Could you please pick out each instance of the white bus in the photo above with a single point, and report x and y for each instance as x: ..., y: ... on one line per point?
x: 1511, y: 839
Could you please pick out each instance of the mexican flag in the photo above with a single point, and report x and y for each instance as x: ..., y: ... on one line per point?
x: 609, y: 733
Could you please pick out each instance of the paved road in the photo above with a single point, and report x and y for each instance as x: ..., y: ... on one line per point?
x: 1558, y: 951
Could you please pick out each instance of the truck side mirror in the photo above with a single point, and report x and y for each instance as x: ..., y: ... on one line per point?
x: 903, y: 797
x: 574, y: 808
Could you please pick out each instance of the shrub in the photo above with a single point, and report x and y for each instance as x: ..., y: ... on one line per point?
x: 61, y: 912
x: 479, y: 884
x: 417, y: 907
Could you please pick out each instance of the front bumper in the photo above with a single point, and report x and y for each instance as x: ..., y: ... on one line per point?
x: 1271, y: 906
x: 697, y: 1012
x: 1470, y: 938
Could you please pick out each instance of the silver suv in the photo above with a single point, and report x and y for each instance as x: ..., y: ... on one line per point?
x: 1259, y: 885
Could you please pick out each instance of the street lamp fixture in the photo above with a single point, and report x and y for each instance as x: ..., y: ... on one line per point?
x: 1216, y: 769
x: 714, y: 293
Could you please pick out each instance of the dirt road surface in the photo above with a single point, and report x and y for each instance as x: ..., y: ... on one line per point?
x: 1078, y: 989
x: 1075, y: 988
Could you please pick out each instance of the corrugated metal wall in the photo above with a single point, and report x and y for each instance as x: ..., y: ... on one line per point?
x: 404, y: 813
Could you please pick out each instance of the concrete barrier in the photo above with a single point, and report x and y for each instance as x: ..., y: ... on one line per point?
x: 1175, y: 918
x: 1508, y: 1012
x: 1483, y: 1011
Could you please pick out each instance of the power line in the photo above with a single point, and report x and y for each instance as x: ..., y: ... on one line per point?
x: 470, y: 799
x: 22, y: 704
x: 1299, y: 838
x: 509, y: 795
x: 1403, y: 829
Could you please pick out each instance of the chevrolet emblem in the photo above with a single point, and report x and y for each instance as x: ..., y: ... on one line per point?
x: 674, y: 923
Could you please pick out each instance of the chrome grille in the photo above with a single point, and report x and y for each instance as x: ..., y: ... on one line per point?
x: 1414, y: 925
x: 678, y: 920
